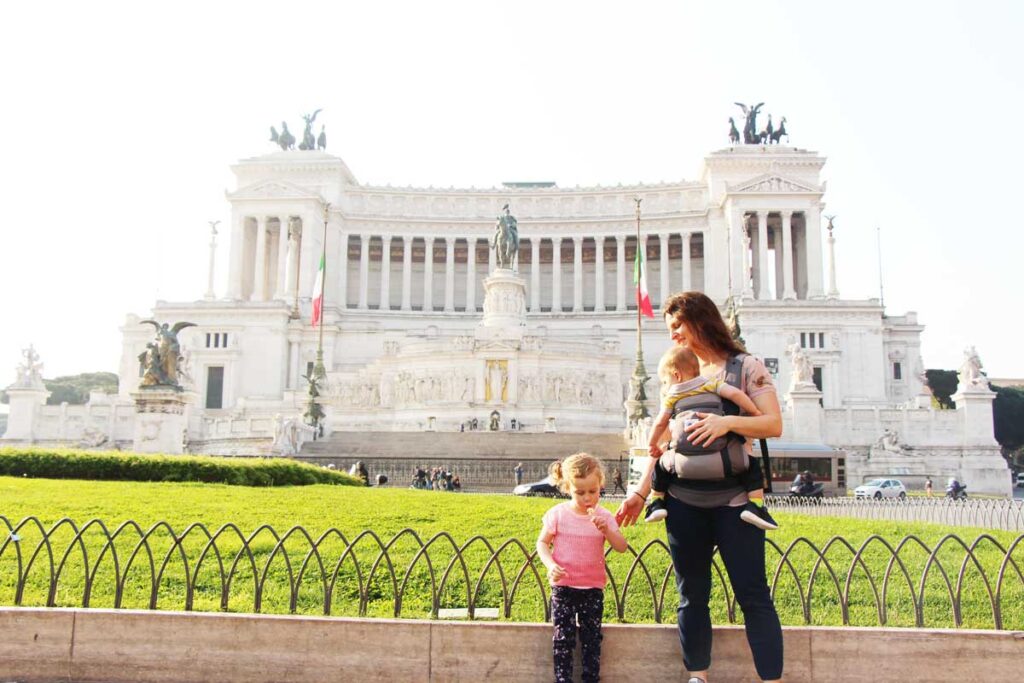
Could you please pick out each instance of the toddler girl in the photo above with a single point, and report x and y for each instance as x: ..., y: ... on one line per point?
x: 571, y: 546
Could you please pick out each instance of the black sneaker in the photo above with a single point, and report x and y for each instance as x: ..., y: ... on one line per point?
x: 759, y: 517
x: 656, y: 510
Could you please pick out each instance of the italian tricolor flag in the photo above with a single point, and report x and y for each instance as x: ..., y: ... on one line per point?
x: 318, y: 294
x: 643, y: 299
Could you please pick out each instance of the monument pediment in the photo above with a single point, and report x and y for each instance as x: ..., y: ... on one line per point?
x: 273, y: 189
x: 773, y: 183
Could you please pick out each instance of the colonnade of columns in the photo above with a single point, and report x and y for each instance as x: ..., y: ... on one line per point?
x: 545, y: 293
x: 793, y: 238
x: 265, y: 257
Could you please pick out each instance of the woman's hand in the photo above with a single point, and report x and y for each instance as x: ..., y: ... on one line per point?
x: 708, y: 428
x: 629, y: 510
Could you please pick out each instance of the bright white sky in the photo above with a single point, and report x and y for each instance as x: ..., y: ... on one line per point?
x: 120, y: 121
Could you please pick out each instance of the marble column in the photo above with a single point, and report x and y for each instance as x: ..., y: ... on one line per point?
x: 281, y: 287
x: 342, y: 270
x: 687, y: 264
x: 235, y: 269
x: 260, y: 261
x: 406, y: 272
x: 577, y: 275
x: 428, y: 273
x: 777, y: 233
x: 385, y: 273
x: 748, y: 284
x: 735, y: 250
x: 449, y: 274
x: 812, y: 250
x: 364, y: 272
x: 763, y: 288
x: 556, y: 274
x: 293, y: 360
x: 787, y: 256
x: 490, y: 261
x: 833, y: 290
x: 663, y: 268
x: 598, y: 273
x: 620, y: 273
x: 534, y: 275
x: 470, y: 274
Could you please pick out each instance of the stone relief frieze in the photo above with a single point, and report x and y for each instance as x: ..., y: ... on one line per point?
x: 569, y: 387
x: 463, y: 342
x: 357, y: 393
x: 505, y: 302
x: 411, y: 388
x: 773, y: 184
x: 531, y: 343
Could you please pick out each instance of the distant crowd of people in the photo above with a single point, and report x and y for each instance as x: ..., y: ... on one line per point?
x: 437, y: 479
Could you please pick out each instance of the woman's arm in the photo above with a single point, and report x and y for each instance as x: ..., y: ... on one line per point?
x: 630, y: 509
x: 768, y: 424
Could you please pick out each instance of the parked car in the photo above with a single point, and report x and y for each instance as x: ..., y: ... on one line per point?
x: 1020, y: 480
x: 544, y: 487
x: 881, y: 488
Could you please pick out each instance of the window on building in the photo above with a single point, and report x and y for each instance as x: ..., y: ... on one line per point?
x: 897, y: 371
x: 215, y: 387
x: 812, y: 340
x: 816, y: 376
x: 309, y: 369
x: 216, y: 340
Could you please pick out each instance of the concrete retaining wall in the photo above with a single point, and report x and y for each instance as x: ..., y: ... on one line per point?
x: 119, y: 646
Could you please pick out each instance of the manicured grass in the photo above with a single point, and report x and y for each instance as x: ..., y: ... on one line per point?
x: 386, y: 512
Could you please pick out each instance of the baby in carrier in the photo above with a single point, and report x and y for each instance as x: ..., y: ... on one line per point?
x: 685, y: 394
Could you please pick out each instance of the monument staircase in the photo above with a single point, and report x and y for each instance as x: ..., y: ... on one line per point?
x: 483, y: 460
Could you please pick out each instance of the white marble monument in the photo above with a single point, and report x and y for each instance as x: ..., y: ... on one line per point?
x: 423, y: 328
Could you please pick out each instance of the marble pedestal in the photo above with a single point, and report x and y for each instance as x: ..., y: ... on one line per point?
x: 25, y: 403
x: 804, y: 403
x: 160, y: 420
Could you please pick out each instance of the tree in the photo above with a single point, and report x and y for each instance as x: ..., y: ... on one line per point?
x: 943, y: 385
x: 1008, y: 417
x: 74, y: 389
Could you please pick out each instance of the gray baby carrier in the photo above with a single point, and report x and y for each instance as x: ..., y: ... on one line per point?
x: 717, y: 464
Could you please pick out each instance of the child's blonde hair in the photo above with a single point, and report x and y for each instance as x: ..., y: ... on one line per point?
x: 677, y: 358
x: 575, y: 466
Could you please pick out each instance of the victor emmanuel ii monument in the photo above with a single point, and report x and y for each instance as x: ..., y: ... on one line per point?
x: 446, y: 308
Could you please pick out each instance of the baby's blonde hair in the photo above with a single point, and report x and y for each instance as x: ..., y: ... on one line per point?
x: 575, y: 466
x: 677, y: 358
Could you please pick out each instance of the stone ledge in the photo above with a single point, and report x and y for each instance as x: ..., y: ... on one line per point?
x: 121, y: 646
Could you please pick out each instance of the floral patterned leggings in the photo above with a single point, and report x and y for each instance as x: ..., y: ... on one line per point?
x: 569, y: 607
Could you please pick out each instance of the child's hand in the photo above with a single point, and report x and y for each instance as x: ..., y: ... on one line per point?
x: 555, y: 573
x: 600, y: 522
x: 654, y: 450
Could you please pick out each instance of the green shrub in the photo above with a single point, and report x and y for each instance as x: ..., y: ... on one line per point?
x: 60, y: 463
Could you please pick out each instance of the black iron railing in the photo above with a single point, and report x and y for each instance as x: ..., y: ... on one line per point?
x: 987, y: 513
x: 948, y: 582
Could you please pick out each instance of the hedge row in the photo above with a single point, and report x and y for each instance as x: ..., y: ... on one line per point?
x: 118, y: 466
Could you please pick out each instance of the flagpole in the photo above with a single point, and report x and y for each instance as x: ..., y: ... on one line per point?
x: 314, y: 412
x: 636, y: 405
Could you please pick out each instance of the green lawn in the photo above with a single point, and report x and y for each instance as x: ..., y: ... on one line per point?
x: 365, y: 583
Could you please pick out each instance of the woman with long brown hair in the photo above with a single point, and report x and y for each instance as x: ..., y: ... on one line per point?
x: 701, y: 517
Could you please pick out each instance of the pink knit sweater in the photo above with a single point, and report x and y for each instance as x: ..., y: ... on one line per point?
x: 577, y: 545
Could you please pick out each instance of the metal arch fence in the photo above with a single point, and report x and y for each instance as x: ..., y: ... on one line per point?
x: 951, y: 582
x: 1002, y: 514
